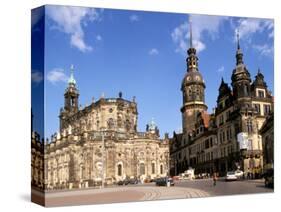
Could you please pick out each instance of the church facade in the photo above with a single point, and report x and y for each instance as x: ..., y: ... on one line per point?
x: 99, y: 144
x: 212, y: 142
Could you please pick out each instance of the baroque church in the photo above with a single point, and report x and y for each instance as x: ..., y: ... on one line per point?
x: 212, y: 142
x: 98, y: 144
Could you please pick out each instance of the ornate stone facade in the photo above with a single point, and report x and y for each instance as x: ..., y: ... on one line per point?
x: 267, y: 133
x: 37, y: 161
x: 209, y: 142
x: 100, y: 143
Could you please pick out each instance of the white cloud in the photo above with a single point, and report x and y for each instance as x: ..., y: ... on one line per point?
x: 153, y: 51
x: 70, y: 19
x: 250, y: 27
x: 201, y: 25
x: 98, y: 37
x: 36, y: 76
x: 134, y: 18
x: 56, y: 75
x: 220, y: 69
x: 265, y: 49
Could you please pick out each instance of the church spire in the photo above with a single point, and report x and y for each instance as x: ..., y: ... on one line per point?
x: 71, y: 79
x: 192, y: 59
x: 239, y: 54
x: 238, y: 39
x: 71, y: 93
x: 190, y: 31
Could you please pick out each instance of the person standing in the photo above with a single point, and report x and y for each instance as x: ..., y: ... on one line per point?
x: 215, y: 179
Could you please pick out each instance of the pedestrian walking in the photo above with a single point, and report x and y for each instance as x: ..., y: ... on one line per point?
x: 215, y: 179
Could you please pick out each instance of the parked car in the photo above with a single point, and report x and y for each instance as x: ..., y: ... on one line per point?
x: 133, y: 181
x: 163, y: 181
x: 269, y: 178
x: 231, y: 176
x: 121, y: 182
x: 239, y: 174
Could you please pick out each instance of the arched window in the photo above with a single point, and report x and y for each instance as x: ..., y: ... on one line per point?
x: 110, y: 123
x: 142, y: 169
x: 153, y: 168
x: 119, y: 169
x: 249, y: 126
x: 127, y: 125
x: 119, y: 121
x: 161, y: 169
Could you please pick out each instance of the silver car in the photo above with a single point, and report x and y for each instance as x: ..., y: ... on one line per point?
x: 231, y: 176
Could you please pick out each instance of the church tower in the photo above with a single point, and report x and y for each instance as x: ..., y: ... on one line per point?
x: 71, y: 94
x: 70, y: 100
x: 241, y: 79
x: 193, y: 89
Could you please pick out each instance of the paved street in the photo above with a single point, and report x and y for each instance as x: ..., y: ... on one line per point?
x: 143, y: 192
x: 226, y: 188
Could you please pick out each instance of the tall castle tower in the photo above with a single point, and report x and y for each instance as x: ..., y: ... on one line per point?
x: 193, y: 89
x: 241, y: 79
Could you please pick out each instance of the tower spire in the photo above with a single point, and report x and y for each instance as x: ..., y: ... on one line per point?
x: 71, y: 78
x: 239, y: 54
x: 190, y: 31
x: 192, y: 60
x: 238, y: 39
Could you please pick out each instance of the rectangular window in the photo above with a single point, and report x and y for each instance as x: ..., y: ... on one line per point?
x: 230, y: 133
x: 221, y: 120
x: 221, y: 141
x: 153, y: 168
x: 266, y: 109
x: 227, y: 135
x: 257, y: 108
x: 261, y: 94
x: 227, y: 115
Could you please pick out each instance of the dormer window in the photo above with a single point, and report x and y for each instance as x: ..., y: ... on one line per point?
x: 261, y: 94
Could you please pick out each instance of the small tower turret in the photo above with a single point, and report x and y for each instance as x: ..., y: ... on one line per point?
x: 71, y: 94
x: 241, y: 78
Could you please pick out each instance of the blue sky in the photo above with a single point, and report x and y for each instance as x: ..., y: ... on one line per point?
x: 143, y: 54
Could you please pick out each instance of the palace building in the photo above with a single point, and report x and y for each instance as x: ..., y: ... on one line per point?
x: 98, y: 144
x: 210, y: 142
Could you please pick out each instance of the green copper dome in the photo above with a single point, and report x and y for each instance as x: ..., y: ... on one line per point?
x: 71, y: 79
